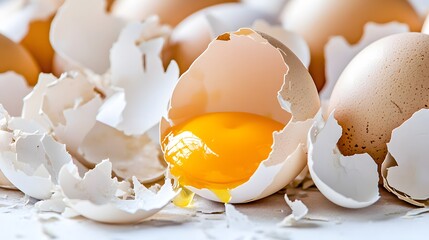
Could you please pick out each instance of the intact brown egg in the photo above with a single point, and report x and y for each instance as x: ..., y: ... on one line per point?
x: 16, y: 58
x: 170, y: 12
x: 381, y: 88
x: 318, y: 20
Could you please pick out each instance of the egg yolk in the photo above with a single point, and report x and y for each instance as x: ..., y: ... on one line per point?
x: 219, y: 151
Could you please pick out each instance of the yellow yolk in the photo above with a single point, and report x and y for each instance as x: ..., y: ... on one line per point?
x: 219, y: 151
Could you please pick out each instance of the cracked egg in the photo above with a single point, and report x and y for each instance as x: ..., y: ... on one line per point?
x: 238, y: 119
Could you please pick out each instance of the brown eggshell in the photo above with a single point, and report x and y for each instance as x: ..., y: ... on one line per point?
x: 381, y: 88
x: 318, y: 20
x: 16, y: 58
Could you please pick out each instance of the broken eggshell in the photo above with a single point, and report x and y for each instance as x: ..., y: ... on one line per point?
x: 299, y: 211
x: 287, y: 86
x: 405, y: 168
x: 30, y: 159
x: 339, y: 52
x: 13, y: 88
x: 99, y: 197
x: 348, y: 181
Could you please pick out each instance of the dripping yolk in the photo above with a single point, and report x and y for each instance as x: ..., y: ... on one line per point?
x: 219, y: 151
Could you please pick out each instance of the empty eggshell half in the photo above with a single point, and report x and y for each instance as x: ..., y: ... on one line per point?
x: 31, y: 159
x: 100, y: 197
x: 339, y: 52
x: 245, y: 71
x: 405, y: 168
x: 348, y: 181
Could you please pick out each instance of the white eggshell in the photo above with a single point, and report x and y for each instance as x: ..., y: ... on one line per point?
x: 13, y: 88
x: 145, y: 86
x: 95, y: 196
x: 299, y: 210
x: 273, y: 7
x: 33, y: 161
x: 405, y: 167
x: 220, y: 81
x: 82, y: 34
x: 339, y: 53
x: 351, y: 181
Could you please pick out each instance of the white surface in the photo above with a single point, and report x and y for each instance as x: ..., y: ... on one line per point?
x: 384, y: 220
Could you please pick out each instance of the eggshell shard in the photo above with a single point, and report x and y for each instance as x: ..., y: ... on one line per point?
x: 144, y: 83
x: 13, y: 88
x: 99, y: 197
x: 351, y: 181
x: 404, y: 169
x: 339, y: 53
x: 199, y: 91
x: 236, y: 219
x: 191, y: 37
x: 81, y: 27
x: 28, y: 23
x: 299, y: 210
x: 291, y: 40
x: 33, y: 160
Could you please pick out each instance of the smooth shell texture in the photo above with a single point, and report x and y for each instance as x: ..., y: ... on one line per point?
x: 171, y: 12
x: 232, y: 76
x: 318, y: 20
x: 381, y: 87
x: 15, y: 58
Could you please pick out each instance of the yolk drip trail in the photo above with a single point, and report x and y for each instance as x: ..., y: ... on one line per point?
x: 219, y: 151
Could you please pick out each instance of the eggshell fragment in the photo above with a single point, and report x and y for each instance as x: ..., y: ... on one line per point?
x: 13, y: 88
x: 33, y: 160
x: 299, y: 210
x: 82, y: 34
x: 291, y: 40
x: 421, y: 6
x: 351, y: 181
x: 99, y: 197
x: 226, y: 78
x: 144, y: 83
x: 339, y: 53
x: 405, y: 168
x: 236, y: 219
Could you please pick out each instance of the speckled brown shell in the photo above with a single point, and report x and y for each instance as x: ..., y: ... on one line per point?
x: 381, y: 88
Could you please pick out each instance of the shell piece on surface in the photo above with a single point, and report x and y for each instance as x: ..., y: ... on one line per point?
x: 99, y: 197
x: 405, y: 168
x: 31, y: 159
x: 299, y: 210
x: 351, y: 181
